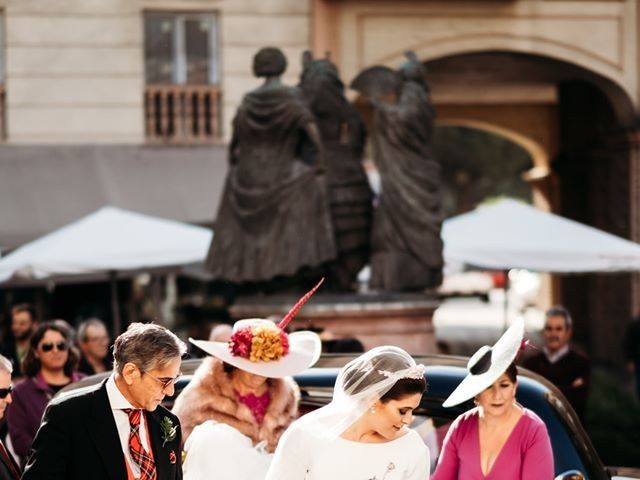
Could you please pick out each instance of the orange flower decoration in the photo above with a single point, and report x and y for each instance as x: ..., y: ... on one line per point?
x: 267, y: 345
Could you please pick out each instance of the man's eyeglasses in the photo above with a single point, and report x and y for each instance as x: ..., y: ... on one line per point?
x: 4, y: 392
x: 165, y: 382
x: 60, y: 346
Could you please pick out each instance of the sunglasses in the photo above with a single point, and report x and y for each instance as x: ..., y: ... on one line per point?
x: 60, y: 346
x: 6, y: 391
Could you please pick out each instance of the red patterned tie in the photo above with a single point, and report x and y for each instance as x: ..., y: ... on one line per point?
x: 138, y: 453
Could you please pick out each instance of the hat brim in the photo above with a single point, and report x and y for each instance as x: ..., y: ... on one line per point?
x: 503, y: 354
x: 304, y: 352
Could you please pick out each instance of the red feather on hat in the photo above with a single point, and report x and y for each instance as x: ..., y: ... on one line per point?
x: 292, y: 313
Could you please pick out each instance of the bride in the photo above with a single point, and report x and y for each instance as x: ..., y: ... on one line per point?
x: 362, y: 434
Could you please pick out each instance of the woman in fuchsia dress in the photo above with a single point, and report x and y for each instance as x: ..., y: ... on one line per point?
x: 499, y: 439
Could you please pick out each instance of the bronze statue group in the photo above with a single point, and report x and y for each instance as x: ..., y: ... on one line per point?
x: 297, y: 202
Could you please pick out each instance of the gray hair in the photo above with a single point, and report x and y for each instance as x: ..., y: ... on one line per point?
x: 560, y: 311
x: 5, y: 365
x: 221, y: 333
x: 84, y: 326
x: 147, y: 346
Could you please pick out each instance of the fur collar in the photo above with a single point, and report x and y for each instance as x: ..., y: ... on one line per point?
x: 210, y: 396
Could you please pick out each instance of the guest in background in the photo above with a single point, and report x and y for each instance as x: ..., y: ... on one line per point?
x: 49, y: 366
x: 558, y: 362
x: 93, y: 341
x: 23, y: 324
x: 221, y: 333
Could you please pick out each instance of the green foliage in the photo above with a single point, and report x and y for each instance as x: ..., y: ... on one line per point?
x: 477, y: 165
x: 613, y: 421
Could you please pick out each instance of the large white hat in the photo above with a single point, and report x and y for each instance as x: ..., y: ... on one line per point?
x: 262, y: 347
x: 488, y: 364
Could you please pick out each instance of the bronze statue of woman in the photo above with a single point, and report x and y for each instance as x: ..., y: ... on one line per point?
x: 406, y: 244
x: 350, y: 197
x: 273, y: 220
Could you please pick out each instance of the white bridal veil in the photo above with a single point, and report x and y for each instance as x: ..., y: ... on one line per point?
x: 359, y: 385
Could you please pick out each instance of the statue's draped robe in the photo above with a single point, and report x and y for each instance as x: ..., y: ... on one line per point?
x: 274, y: 217
x: 406, y: 244
x: 350, y: 197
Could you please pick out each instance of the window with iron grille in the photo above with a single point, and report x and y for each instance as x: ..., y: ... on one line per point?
x: 182, y: 94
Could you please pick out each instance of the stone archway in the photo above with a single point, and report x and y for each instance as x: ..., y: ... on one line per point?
x: 577, y: 121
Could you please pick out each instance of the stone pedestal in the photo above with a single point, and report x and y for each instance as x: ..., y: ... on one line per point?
x: 404, y: 320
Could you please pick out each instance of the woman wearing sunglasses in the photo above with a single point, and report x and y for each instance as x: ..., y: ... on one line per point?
x: 49, y: 366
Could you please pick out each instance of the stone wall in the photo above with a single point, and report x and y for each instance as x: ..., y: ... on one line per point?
x: 600, y: 36
x: 75, y: 68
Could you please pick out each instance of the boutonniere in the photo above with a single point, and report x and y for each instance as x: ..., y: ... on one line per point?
x: 169, y: 431
x: 172, y: 457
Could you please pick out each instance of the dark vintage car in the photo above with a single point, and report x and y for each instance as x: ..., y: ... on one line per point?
x: 574, y: 455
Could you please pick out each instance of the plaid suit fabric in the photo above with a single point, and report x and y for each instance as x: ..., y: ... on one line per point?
x: 138, y: 453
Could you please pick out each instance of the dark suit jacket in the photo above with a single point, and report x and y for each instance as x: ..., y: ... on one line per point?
x: 78, y: 439
x: 563, y: 373
x: 6, y: 470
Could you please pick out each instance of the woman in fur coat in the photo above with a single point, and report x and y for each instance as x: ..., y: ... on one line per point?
x: 239, y: 402
x: 226, y: 394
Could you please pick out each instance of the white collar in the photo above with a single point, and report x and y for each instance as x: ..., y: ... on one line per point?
x: 116, y: 399
x: 553, y: 357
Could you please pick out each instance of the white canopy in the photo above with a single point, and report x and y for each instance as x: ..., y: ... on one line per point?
x: 510, y: 234
x: 107, y: 240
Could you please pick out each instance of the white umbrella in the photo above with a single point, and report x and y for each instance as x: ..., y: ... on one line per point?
x: 107, y: 241
x: 510, y: 234
x: 110, y: 239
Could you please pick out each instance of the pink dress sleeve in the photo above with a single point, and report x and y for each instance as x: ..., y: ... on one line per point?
x: 537, y: 461
x: 448, y: 462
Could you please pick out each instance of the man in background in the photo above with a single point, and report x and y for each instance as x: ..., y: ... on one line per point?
x: 9, y: 469
x: 93, y: 341
x: 23, y: 324
x: 561, y: 364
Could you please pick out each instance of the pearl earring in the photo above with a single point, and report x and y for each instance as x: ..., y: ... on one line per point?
x: 372, y: 410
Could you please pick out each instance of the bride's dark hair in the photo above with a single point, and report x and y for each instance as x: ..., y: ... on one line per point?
x: 359, y: 379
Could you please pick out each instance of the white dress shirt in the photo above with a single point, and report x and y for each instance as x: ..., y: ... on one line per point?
x: 554, y: 357
x: 118, y: 403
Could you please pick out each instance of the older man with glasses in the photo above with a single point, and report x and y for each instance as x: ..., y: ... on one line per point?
x: 118, y: 429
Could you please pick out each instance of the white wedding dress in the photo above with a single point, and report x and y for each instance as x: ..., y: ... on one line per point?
x: 303, y: 456
x: 217, y: 451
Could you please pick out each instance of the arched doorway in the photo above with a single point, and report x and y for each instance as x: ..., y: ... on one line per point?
x: 582, y: 124
x: 480, y: 163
